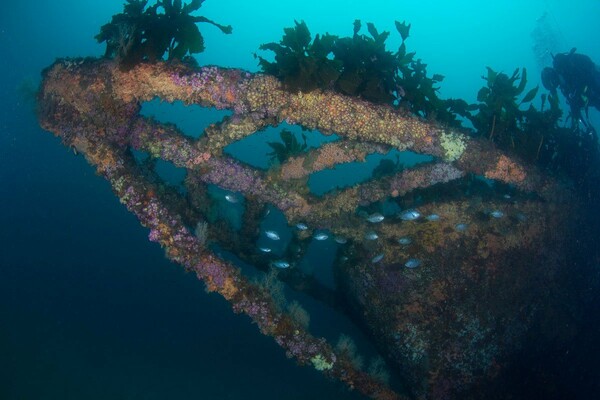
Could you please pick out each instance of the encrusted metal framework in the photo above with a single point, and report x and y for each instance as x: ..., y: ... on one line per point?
x: 93, y: 105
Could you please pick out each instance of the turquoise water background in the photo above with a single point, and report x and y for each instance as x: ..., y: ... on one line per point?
x: 88, y: 307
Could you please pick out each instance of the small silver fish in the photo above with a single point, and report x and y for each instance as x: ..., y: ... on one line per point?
x: 497, y: 214
x: 375, y: 218
x: 432, y: 217
x: 404, y: 241
x: 371, y: 235
x: 231, y: 198
x: 265, y: 249
x: 412, y: 263
x: 410, y: 215
x: 272, y: 235
x: 280, y: 264
x: 340, y: 240
x: 301, y: 226
x: 507, y: 196
x: 321, y: 236
x: 377, y: 258
x: 461, y: 227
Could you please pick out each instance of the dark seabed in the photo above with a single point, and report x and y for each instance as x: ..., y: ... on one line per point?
x: 91, y: 309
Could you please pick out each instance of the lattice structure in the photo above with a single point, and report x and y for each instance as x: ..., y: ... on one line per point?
x: 441, y: 344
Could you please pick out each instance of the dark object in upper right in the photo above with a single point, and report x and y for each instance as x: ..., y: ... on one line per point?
x: 579, y: 81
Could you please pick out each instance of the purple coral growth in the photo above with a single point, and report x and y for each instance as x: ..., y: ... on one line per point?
x: 154, y: 235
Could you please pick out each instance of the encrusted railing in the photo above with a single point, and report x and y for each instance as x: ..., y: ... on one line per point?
x: 95, y: 108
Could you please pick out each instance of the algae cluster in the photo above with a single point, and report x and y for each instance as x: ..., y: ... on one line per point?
x: 147, y: 33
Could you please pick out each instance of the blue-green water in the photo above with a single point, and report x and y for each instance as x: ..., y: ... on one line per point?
x: 89, y: 308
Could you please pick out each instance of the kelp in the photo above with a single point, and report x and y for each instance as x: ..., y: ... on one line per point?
x: 360, y: 66
x: 288, y: 147
x: 500, y: 117
x: 301, y: 62
x: 368, y: 69
x: 533, y: 134
x: 147, y: 33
